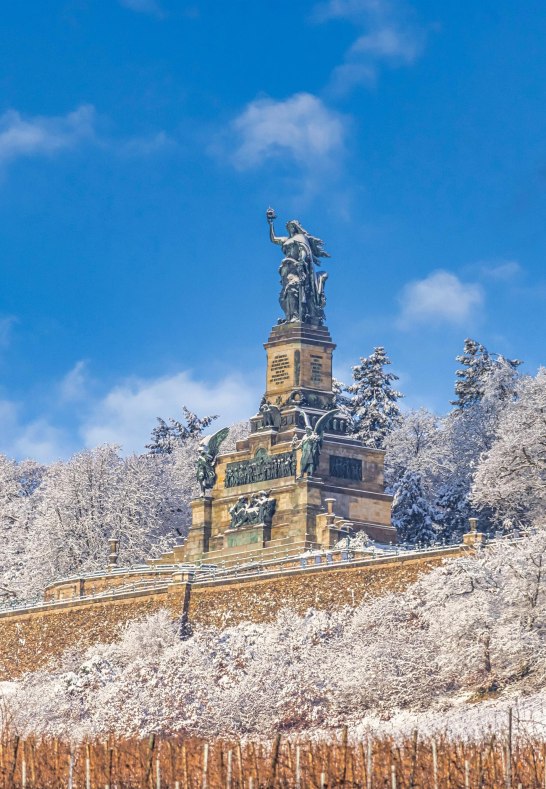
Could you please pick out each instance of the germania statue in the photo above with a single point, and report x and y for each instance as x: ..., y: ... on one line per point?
x: 302, y: 290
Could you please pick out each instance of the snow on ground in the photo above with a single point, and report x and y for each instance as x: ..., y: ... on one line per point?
x: 467, y: 720
x: 472, y: 627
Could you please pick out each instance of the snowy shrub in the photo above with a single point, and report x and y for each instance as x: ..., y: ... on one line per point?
x: 475, y: 625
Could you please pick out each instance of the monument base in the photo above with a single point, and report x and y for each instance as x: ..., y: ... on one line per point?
x: 261, y: 479
x: 245, y: 537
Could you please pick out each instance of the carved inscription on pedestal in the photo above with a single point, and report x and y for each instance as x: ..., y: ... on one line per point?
x: 297, y: 367
x: 316, y: 370
x: 280, y: 366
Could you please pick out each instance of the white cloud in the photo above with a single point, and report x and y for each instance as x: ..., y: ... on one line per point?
x: 41, y: 441
x: 439, y: 298
x: 38, y: 438
x: 127, y: 414
x: 348, y: 76
x: 45, y: 136
x: 143, y: 6
x: 388, y: 37
x: 74, y: 385
x: 388, y: 43
x: 503, y: 271
x: 42, y: 135
x: 300, y: 127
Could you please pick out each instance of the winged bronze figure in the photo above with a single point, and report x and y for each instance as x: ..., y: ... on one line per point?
x: 271, y: 415
x: 206, y: 459
x: 311, y: 442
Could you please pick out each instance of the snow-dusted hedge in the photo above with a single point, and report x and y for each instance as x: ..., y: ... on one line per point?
x: 474, y: 625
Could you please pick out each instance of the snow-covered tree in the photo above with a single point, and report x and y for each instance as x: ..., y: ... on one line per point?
x: 342, y: 401
x: 18, y: 484
x: 453, y: 509
x: 238, y: 431
x: 95, y: 495
x: 469, y: 432
x: 511, y: 475
x: 373, y: 404
x: 167, y: 436
x: 417, y: 443
x: 471, y: 625
x: 341, y: 398
x: 444, y: 453
x: 478, y: 364
x: 412, y: 514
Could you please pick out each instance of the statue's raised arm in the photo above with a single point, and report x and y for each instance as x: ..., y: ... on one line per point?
x: 271, y: 216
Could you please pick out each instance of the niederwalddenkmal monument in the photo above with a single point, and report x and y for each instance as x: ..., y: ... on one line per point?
x: 299, y: 481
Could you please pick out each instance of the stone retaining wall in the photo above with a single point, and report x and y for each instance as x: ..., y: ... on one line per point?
x: 224, y: 603
x: 31, y: 639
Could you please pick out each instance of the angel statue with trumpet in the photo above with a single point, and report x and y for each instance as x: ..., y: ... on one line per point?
x: 206, y: 459
x: 311, y: 443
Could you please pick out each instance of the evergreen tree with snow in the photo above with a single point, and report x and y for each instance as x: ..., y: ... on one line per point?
x: 412, y: 514
x: 373, y: 404
x: 168, y: 436
x: 478, y: 367
x: 453, y: 509
x: 510, y: 478
x: 340, y: 393
x: 342, y: 400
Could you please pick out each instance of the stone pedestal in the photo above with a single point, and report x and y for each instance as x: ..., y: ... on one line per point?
x: 246, y: 537
x: 474, y: 539
x: 298, y: 383
x: 331, y: 529
x: 299, y: 361
x: 179, y: 554
x: 197, y: 543
x: 182, y: 577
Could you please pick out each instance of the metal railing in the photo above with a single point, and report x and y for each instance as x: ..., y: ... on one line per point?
x: 123, y: 590
x: 207, y: 573
x: 324, y: 559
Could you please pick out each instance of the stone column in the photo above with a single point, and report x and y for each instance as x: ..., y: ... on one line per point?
x: 197, y: 543
x: 474, y: 537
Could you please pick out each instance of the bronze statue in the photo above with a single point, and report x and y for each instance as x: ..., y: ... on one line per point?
x: 238, y: 513
x: 271, y: 414
x: 206, y: 459
x: 311, y: 443
x: 302, y: 291
x: 251, y: 512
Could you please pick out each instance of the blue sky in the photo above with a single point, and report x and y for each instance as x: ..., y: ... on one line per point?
x: 142, y: 140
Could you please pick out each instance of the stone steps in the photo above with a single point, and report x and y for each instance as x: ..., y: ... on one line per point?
x: 273, y: 549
